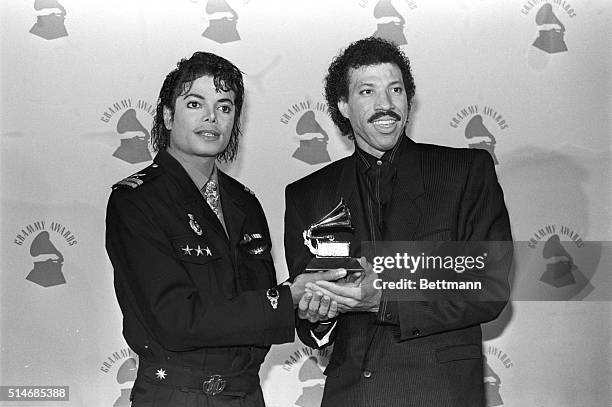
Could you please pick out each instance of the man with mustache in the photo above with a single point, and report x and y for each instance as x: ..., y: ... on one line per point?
x: 190, y: 248
x: 389, y: 352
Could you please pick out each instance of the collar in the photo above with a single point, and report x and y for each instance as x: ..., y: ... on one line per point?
x: 232, y: 196
x: 366, y: 160
x: 407, y: 159
x: 198, y: 178
x: 186, y: 188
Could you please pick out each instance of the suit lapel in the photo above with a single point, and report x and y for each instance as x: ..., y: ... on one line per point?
x: 405, y: 212
x: 189, y: 196
x: 233, y: 214
x: 347, y: 189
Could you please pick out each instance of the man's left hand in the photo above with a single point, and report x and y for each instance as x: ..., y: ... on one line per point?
x: 353, y: 296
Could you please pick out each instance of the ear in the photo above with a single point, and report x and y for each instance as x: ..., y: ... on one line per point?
x: 343, y: 107
x: 167, y: 118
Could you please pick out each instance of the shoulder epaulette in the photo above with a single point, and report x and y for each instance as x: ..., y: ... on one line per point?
x: 136, y: 180
x: 249, y: 191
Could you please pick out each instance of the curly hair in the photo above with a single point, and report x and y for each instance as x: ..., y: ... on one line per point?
x: 365, y: 52
x: 226, y: 77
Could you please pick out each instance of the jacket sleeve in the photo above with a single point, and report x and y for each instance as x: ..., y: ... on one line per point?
x: 152, y: 283
x: 298, y: 256
x: 482, y: 218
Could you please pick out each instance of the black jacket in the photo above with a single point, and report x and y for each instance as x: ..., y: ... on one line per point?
x: 190, y: 296
x: 425, y: 353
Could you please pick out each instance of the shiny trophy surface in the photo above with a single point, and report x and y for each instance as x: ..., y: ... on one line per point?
x: 322, y: 239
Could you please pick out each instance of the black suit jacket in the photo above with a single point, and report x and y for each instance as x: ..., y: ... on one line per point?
x: 191, y: 297
x: 425, y: 353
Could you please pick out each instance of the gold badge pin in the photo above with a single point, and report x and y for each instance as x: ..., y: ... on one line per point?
x: 195, y: 226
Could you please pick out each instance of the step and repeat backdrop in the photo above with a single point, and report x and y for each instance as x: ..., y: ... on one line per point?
x: 527, y: 80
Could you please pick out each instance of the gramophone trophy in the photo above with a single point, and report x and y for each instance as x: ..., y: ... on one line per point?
x: 322, y: 239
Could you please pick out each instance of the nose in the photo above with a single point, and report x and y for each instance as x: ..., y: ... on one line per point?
x: 383, y: 101
x: 209, y: 114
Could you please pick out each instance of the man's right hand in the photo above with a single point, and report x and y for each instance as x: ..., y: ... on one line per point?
x: 316, y: 307
x: 298, y: 288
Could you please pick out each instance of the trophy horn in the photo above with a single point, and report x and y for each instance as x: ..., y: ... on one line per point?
x: 340, y: 216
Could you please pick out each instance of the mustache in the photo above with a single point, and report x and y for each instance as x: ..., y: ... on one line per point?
x: 384, y: 113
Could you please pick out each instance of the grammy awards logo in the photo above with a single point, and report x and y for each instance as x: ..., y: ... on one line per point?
x: 312, y: 136
x: 134, y: 148
x: 557, y: 264
x: 222, y: 22
x: 560, y: 268
x: 477, y: 133
x: 496, y: 362
x: 125, y: 374
x: 390, y: 23
x: 309, y: 365
x: 50, y: 20
x: 551, y: 30
x: 47, y: 259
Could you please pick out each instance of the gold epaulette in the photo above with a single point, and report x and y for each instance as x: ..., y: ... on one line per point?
x: 136, y: 180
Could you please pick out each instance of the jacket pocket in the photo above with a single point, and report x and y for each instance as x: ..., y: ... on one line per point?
x: 458, y: 352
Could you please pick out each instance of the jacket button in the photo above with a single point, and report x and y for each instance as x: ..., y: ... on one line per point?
x: 416, y: 332
x: 367, y: 374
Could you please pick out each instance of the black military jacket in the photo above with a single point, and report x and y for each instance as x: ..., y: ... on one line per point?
x: 191, y: 296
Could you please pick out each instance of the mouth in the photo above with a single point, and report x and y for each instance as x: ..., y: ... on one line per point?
x: 208, y: 134
x: 384, y: 122
x: 385, y: 125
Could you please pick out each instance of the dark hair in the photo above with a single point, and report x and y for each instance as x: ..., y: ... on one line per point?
x: 226, y: 77
x: 365, y: 52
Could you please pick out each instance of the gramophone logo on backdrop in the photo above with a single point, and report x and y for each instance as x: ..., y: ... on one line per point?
x: 551, y: 30
x: 496, y: 363
x: 131, y: 116
x: 565, y: 262
x: 223, y: 21
x: 478, y: 131
x: 390, y: 23
x: 313, y: 137
x: 125, y: 363
x: 43, y: 239
x: 50, y: 20
x: 309, y: 364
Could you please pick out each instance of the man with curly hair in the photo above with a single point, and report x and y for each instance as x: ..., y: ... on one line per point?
x: 190, y: 248
x: 388, y: 351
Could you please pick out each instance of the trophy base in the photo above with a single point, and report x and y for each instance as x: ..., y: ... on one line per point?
x: 350, y: 264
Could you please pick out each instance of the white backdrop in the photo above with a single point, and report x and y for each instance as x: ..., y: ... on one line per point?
x: 529, y: 80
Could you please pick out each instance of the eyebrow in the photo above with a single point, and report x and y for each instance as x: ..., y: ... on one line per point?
x: 198, y: 96
x: 394, y: 83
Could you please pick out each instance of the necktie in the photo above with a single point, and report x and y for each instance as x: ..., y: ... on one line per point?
x: 211, y: 193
